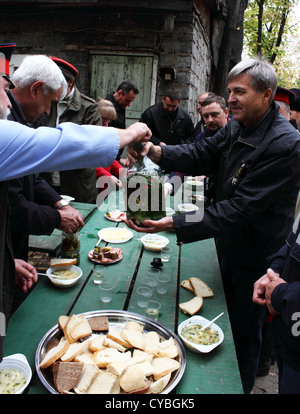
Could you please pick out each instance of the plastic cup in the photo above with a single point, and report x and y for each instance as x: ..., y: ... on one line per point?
x: 152, y: 309
x: 143, y: 295
x: 162, y: 284
x: 106, y: 292
x: 98, y: 275
x: 165, y: 254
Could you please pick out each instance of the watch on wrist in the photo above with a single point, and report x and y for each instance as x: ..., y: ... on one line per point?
x: 61, y: 203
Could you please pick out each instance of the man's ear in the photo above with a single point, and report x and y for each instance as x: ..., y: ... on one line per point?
x: 35, y: 87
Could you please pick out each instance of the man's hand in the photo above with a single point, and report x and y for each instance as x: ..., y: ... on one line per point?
x: 71, y: 219
x: 137, y: 132
x: 260, y: 287
x: 25, y: 275
x: 154, y: 152
x: 152, y: 226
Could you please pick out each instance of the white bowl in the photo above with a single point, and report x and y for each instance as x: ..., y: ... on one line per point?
x: 169, y: 211
x: 200, y: 348
x: 154, y: 242
x: 19, y: 362
x: 187, y: 208
x: 63, y: 282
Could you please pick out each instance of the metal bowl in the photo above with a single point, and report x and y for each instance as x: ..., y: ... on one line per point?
x: 116, y: 319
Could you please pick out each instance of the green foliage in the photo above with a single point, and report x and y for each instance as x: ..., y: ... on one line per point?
x: 271, y: 31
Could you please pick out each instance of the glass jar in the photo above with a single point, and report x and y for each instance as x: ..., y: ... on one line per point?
x: 70, y: 247
x: 144, y: 190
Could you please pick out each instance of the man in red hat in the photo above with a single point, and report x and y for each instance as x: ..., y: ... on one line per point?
x: 284, y: 97
x: 80, y: 109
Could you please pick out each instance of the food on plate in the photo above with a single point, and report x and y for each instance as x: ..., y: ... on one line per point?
x: 11, y: 380
x: 65, y: 274
x: 192, y: 306
x: 59, y: 263
x: 76, y: 328
x: 126, y: 359
x: 192, y: 332
x: 115, y: 234
x: 98, y: 323
x: 116, y: 215
x: 107, y: 254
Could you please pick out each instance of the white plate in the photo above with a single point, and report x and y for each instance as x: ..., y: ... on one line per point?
x: 63, y: 283
x: 154, y: 242
x: 90, y: 256
x: 200, y: 348
x: 68, y: 198
x: 19, y: 362
x: 110, y: 235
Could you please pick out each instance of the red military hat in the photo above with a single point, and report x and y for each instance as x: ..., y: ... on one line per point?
x: 6, y: 50
x: 284, y: 95
x: 63, y: 64
x: 295, y: 105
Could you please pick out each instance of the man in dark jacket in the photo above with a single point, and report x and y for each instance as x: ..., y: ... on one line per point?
x: 170, y: 124
x: 279, y: 290
x: 256, y: 157
x: 35, y: 207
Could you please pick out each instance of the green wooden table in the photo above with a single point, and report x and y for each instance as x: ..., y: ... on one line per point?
x: 214, y: 373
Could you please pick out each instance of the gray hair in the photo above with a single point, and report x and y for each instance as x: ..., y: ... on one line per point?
x: 40, y: 68
x: 262, y: 73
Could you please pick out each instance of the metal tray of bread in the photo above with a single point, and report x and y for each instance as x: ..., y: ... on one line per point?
x: 116, y: 319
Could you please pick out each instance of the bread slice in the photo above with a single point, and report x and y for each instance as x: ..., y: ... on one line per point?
x: 81, y: 330
x: 158, y: 386
x: 85, y: 357
x: 117, y: 368
x: 135, y: 338
x: 99, y: 323
x: 62, y: 262
x: 108, y: 355
x: 152, y: 341
x: 62, y: 321
x: 96, y: 343
x: 113, y: 344
x: 163, y: 366
x: 201, y: 288
x: 133, y: 378
x: 168, y: 348
x: 75, y: 349
x: 55, y: 353
x: 186, y: 284
x: 88, y: 374
x: 134, y: 326
x: 192, y: 306
x: 104, y: 383
x: 66, y: 375
x: 115, y: 335
x: 73, y: 321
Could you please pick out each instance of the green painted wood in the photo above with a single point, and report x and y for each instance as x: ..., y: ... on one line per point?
x: 108, y: 71
x: 216, y: 372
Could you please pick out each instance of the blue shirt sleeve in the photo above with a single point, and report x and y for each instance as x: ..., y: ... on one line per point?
x: 25, y: 150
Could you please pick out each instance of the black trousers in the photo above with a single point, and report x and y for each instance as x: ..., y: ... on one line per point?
x: 246, y: 318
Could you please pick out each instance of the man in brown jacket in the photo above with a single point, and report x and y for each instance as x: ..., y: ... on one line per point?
x: 79, y: 109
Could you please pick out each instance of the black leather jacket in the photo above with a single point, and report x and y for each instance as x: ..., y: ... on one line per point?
x: 172, y: 131
x: 257, y: 183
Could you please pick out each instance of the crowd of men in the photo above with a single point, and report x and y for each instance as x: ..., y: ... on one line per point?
x: 248, y: 149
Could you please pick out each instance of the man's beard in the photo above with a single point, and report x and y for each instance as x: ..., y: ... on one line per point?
x: 4, y: 112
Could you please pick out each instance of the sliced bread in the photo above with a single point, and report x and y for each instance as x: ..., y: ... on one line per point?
x: 88, y: 374
x: 133, y: 378
x: 135, y: 338
x: 55, y: 353
x: 104, y: 383
x: 201, y: 288
x: 163, y: 366
x: 192, y: 306
x: 62, y: 262
x: 66, y: 375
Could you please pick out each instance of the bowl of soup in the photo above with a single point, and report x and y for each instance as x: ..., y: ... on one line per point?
x: 15, y: 374
x: 64, y: 276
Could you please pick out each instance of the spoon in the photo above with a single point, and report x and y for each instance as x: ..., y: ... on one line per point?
x: 98, y: 242
x: 211, y: 322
